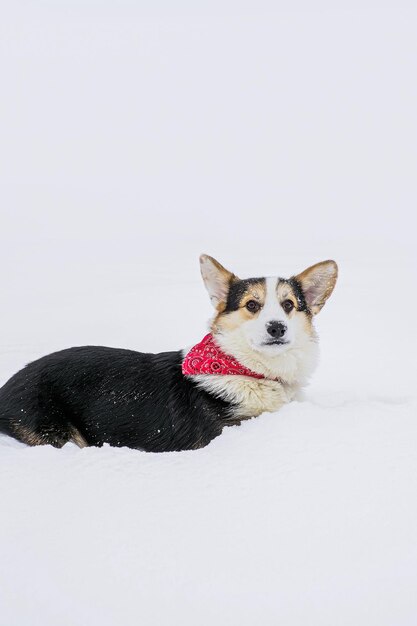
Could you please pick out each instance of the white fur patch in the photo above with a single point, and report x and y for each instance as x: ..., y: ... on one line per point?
x: 271, y: 311
x: 294, y: 365
x: 251, y: 396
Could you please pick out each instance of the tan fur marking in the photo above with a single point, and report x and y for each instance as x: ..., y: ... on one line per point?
x: 285, y: 292
x: 230, y: 321
x: 78, y: 439
x: 307, y: 323
x: 24, y: 434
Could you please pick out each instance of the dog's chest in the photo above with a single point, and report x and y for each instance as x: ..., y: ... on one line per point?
x: 249, y: 397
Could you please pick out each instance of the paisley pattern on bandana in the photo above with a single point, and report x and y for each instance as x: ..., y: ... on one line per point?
x: 207, y: 357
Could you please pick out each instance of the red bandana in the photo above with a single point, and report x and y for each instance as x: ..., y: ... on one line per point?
x: 207, y: 358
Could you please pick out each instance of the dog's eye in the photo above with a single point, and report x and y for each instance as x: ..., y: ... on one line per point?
x: 288, y: 306
x: 253, y: 306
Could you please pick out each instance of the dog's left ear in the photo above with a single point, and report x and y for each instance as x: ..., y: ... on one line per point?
x: 217, y: 280
x: 317, y: 283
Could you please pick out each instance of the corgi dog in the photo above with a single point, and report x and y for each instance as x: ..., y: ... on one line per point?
x: 261, y: 350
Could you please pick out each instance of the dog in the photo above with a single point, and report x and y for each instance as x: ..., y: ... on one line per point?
x: 261, y: 350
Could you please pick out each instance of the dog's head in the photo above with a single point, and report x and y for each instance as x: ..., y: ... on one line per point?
x: 260, y: 320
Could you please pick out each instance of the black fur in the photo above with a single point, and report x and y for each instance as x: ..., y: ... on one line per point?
x: 236, y: 291
x: 238, y: 288
x: 114, y: 396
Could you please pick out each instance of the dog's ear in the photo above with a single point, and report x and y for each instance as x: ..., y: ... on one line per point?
x: 217, y: 280
x: 317, y: 283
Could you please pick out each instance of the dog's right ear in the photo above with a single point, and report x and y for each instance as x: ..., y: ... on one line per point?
x: 217, y: 280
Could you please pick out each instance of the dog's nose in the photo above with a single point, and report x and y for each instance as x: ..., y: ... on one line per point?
x: 276, y: 329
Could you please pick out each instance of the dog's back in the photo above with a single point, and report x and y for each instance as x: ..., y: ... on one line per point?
x: 92, y: 395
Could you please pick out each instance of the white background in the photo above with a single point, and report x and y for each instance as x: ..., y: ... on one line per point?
x: 135, y: 136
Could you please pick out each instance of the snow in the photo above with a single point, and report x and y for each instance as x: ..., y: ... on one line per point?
x: 133, y: 139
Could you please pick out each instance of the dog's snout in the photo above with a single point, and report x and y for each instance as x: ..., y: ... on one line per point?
x: 276, y: 329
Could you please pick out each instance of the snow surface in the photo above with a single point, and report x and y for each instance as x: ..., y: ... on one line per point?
x: 134, y: 137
